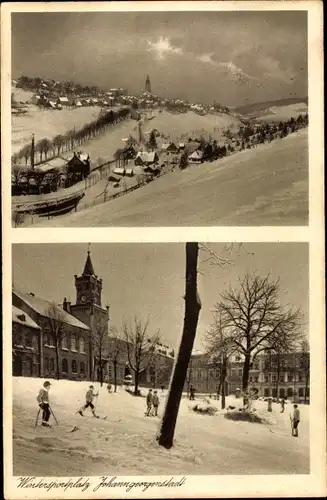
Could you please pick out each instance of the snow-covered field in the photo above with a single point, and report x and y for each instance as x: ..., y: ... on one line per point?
x: 124, y: 443
x: 281, y: 113
x: 267, y: 185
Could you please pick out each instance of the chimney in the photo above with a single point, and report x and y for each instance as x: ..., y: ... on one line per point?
x: 64, y: 304
x: 68, y: 307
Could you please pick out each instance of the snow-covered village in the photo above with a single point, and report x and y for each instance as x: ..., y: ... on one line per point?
x: 102, y: 374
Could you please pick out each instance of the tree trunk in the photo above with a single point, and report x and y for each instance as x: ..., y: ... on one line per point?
x: 192, y: 311
x: 137, y: 376
x: 223, y: 392
x: 57, y: 362
x: 115, y: 375
x: 246, y: 372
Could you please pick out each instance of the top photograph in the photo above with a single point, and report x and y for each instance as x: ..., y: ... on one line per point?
x: 148, y: 119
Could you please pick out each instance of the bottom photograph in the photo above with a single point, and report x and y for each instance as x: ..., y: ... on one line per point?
x: 160, y: 358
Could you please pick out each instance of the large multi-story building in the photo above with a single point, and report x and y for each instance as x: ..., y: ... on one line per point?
x: 284, y: 375
x: 81, y: 331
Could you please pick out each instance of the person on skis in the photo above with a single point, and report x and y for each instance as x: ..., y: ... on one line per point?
x: 89, y: 401
x: 43, y: 400
x: 295, y: 420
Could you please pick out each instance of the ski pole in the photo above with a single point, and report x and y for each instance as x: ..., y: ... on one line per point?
x: 37, y: 417
x: 53, y: 415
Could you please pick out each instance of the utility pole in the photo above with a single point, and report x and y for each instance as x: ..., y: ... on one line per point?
x: 33, y: 152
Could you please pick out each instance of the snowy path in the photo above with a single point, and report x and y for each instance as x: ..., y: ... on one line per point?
x: 125, y: 443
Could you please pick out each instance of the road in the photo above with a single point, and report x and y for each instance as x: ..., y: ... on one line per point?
x: 267, y: 185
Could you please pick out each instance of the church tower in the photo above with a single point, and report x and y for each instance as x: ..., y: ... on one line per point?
x: 148, y: 85
x: 88, y: 285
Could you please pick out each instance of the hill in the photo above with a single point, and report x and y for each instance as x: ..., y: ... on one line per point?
x: 267, y: 185
x: 124, y: 443
x: 259, y: 106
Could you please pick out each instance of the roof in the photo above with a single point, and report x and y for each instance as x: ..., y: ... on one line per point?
x: 63, y: 99
x: 119, y: 170
x: 148, y: 157
x: 56, y: 163
x: 41, y: 307
x: 196, y: 155
x: 88, y: 268
x: 19, y: 316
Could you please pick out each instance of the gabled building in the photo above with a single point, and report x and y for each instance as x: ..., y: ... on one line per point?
x: 196, y: 157
x: 144, y: 158
x: 26, y: 347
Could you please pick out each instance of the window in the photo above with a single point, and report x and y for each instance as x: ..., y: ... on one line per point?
x: 266, y: 392
x: 81, y: 345
x: 74, y: 366
x: 282, y: 378
x: 256, y: 366
x: 82, y: 368
x: 266, y: 378
x: 110, y: 370
x: 251, y: 379
x: 51, y: 365
x: 274, y: 378
x: 301, y: 392
x: 46, y: 364
x: 64, y: 343
x: 64, y: 365
x: 290, y: 392
x: 290, y: 377
x: 256, y: 379
x: 240, y: 373
x: 301, y: 378
x: 28, y: 341
x: 73, y: 343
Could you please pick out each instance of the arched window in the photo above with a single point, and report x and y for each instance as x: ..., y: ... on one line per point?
x: 289, y: 392
x: 46, y: 364
x: 301, y: 392
x: 51, y: 365
x: 73, y: 343
x: 64, y: 365
x: 81, y: 345
x: 82, y: 368
x: 74, y: 366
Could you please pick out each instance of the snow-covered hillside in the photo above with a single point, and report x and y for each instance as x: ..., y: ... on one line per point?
x: 125, y: 442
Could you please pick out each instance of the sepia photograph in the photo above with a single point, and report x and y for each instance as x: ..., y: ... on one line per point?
x: 160, y: 358
x: 159, y: 118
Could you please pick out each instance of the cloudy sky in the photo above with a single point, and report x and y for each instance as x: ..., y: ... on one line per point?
x: 148, y: 279
x: 232, y: 57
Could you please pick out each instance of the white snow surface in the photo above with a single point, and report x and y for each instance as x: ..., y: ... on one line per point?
x: 125, y: 443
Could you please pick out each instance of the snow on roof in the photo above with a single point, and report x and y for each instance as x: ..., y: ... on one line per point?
x: 119, y: 171
x: 147, y: 156
x: 196, y: 155
x: 41, y: 306
x: 19, y: 316
x: 63, y: 99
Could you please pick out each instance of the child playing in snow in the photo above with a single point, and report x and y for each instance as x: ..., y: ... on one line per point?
x: 89, y: 401
x: 155, y: 402
x: 148, y: 403
x: 43, y: 400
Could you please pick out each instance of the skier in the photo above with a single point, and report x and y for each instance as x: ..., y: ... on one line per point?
x: 295, y: 419
x: 282, y: 404
x: 148, y: 403
x: 155, y: 403
x: 89, y: 402
x: 192, y: 393
x: 43, y: 400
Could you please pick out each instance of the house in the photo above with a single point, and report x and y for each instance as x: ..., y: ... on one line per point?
x: 63, y: 101
x: 196, y: 157
x: 34, y: 322
x: 25, y: 345
x: 169, y: 148
x: 145, y: 158
x: 129, y: 172
x: 119, y: 171
x: 79, y: 163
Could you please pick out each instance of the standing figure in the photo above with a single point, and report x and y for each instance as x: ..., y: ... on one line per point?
x: 43, y: 400
x: 89, y: 401
x: 155, y: 402
x: 295, y: 419
x: 148, y: 403
x: 282, y: 404
x: 192, y: 393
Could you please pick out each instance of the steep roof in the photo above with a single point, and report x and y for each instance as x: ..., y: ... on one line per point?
x: 88, y: 268
x: 41, y: 307
x: 19, y: 316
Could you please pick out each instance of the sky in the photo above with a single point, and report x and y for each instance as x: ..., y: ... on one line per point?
x: 147, y: 279
x: 235, y: 58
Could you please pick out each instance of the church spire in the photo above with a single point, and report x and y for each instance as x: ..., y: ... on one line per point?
x: 88, y: 268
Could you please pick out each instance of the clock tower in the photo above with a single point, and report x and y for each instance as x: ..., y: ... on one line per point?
x: 88, y: 307
x: 88, y: 285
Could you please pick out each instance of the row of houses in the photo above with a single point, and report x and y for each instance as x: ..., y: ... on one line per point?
x: 72, y: 102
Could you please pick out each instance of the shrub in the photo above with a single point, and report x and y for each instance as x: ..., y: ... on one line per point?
x: 244, y: 416
x: 205, y: 409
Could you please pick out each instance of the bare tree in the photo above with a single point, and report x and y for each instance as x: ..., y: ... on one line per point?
x: 192, y: 311
x: 100, y: 345
x: 256, y: 320
x: 220, y: 347
x: 140, y: 347
x: 116, y: 348
x: 17, y: 218
x: 305, y: 365
x: 55, y: 318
